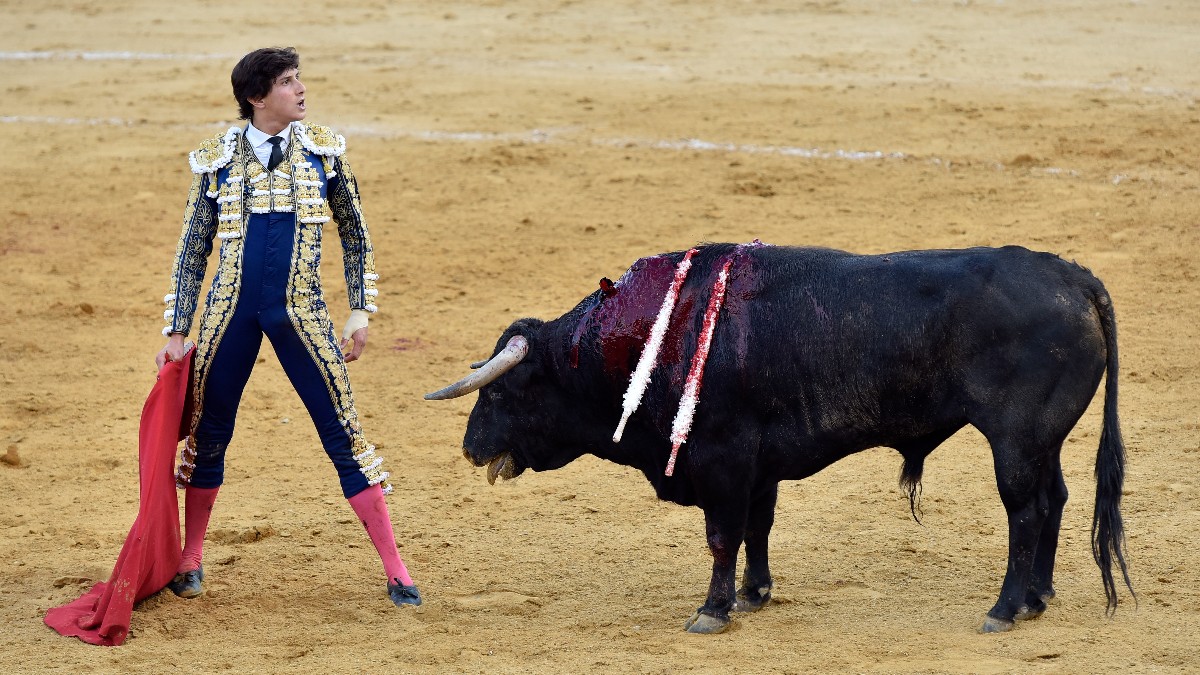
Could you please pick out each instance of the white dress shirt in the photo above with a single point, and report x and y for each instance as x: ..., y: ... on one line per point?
x: 259, y: 141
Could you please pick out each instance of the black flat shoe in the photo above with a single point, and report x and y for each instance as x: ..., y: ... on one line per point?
x: 404, y: 595
x: 187, y: 584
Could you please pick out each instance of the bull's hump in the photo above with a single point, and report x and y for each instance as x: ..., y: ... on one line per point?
x: 620, y: 325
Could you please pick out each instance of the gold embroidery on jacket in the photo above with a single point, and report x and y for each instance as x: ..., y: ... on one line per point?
x: 220, y: 303
x: 187, y: 271
x: 311, y: 322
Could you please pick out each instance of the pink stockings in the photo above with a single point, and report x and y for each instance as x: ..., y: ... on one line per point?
x: 198, y: 505
x: 372, y: 510
x: 368, y: 505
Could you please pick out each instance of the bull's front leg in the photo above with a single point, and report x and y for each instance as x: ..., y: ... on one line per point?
x: 726, y: 529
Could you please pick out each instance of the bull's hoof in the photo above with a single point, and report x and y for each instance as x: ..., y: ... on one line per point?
x: 705, y: 624
x: 1026, y: 612
x: 994, y: 625
x: 752, y: 599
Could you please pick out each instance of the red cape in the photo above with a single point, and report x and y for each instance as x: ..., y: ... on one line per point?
x: 149, y: 559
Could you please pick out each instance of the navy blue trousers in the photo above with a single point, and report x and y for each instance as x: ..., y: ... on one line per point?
x: 262, y: 310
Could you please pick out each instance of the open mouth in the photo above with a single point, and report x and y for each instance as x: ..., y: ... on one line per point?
x: 503, y: 466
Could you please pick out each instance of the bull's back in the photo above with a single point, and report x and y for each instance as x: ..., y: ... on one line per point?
x: 874, y: 347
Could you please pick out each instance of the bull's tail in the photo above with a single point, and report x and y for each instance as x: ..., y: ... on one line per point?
x: 1108, y: 532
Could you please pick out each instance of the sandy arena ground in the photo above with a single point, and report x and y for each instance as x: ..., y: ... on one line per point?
x: 511, y: 154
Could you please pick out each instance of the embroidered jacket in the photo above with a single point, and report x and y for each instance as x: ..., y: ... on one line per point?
x: 315, y: 182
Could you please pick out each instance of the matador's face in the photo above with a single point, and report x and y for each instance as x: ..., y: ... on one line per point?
x: 283, y: 105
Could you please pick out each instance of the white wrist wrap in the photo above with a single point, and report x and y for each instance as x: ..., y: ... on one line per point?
x: 358, y: 319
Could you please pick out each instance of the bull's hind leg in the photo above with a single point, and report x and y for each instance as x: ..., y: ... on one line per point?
x: 755, y: 592
x: 1021, y: 479
x: 1041, y: 581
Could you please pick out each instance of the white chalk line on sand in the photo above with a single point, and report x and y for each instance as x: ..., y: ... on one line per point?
x: 109, y: 56
x: 533, y: 136
x: 784, y: 150
x: 562, y: 135
x: 659, y: 69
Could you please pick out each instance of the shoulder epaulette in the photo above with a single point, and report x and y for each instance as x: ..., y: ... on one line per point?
x: 215, y: 152
x: 321, y: 140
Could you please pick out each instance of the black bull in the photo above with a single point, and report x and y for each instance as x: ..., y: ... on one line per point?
x: 818, y: 354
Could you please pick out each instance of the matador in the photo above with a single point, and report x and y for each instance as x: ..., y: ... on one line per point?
x: 264, y: 193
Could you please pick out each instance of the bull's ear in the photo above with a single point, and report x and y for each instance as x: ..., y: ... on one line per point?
x: 530, y: 373
x: 525, y: 377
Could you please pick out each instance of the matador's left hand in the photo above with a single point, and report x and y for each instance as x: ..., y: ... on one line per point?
x: 356, y: 342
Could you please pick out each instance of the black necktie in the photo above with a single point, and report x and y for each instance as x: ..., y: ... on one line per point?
x: 276, y: 153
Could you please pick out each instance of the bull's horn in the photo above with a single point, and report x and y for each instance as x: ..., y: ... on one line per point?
x: 501, y: 363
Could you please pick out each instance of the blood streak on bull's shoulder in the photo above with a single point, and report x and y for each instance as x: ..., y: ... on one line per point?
x: 616, y: 323
x: 640, y: 379
x: 619, y: 321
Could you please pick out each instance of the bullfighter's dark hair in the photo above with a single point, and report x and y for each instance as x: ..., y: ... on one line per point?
x: 255, y: 74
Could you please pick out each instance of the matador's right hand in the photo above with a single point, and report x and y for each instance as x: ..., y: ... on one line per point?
x: 172, y: 352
